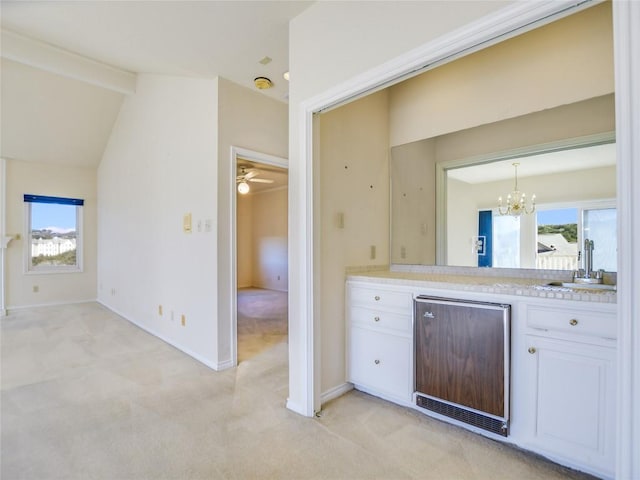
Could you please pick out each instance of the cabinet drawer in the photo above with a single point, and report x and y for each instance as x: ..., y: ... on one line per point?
x: 574, y: 321
x: 376, y: 298
x: 381, y: 362
x: 372, y: 318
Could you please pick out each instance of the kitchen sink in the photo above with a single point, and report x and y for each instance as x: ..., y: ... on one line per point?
x: 583, y: 286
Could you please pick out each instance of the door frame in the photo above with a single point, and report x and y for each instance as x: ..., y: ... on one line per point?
x: 257, y: 157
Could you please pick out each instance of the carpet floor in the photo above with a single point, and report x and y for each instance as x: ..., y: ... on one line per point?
x: 262, y: 320
x: 87, y: 395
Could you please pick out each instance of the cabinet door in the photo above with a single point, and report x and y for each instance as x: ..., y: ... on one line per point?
x: 381, y: 362
x: 574, y: 401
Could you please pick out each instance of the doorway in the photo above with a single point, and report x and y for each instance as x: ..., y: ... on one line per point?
x: 260, y: 253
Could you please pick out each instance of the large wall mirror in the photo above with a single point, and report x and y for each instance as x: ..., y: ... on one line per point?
x: 445, y: 211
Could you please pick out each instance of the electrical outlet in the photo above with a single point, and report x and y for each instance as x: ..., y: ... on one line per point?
x: 183, y: 320
x: 160, y: 310
x: 172, y: 315
x: 113, y: 292
x: 372, y: 253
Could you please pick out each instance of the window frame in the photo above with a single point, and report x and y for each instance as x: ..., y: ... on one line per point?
x: 29, y: 268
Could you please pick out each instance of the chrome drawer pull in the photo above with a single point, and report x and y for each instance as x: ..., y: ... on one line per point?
x: 573, y: 322
x: 376, y: 319
x: 532, y: 350
x: 377, y: 362
x: 376, y: 298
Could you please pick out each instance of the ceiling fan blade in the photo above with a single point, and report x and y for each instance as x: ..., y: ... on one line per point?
x: 260, y: 180
x: 250, y: 174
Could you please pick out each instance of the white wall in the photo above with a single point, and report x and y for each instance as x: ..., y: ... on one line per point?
x: 561, y: 63
x: 51, y: 180
x: 253, y: 121
x: 168, y: 156
x: 269, y: 240
x: 354, y: 181
x: 161, y: 163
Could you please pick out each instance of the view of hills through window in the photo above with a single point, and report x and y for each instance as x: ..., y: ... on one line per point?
x: 53, y: 234
x: 558, y: 239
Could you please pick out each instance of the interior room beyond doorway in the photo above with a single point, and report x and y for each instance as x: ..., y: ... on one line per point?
x: 262, y: 257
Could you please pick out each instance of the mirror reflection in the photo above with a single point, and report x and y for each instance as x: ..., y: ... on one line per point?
x: 575, y: 192
x: 446, y: 210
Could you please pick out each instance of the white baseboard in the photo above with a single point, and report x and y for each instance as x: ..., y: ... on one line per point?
x: 213, y: 365
x: 335, y: 392
x: 49, y: 304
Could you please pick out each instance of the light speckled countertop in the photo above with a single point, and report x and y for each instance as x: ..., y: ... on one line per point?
x: 473, y: 281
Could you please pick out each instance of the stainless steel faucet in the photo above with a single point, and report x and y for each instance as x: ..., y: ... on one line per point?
x: 586, y: 274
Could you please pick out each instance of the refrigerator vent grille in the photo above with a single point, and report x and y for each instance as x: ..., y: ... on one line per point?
x: 472, y: 418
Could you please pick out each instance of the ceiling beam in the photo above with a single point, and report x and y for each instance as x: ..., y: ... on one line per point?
x: 52, y: 59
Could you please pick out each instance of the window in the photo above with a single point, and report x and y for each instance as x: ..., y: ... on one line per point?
x: 561, y: 233
x: 54, y: 234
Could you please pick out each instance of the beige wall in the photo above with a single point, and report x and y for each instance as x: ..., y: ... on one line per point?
x: 262, y: 229
x: 58, y: 181
x: 413, y: 195
x: 244, y: 240
x: 561, y: 63
x: 269, y: 240
x: 354, y: 178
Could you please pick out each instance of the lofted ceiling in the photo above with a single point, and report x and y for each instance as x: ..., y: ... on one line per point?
x: 191, y: 38
x: 51, y: 116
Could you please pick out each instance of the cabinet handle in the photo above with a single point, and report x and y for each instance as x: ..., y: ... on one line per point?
x: 532, y: 350
x: 376, y: 361
x: 573, y: 322
x: 376, y: 319
x: 376, y: 298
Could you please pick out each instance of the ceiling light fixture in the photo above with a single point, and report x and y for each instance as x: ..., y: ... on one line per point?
x: 262, y: 83
x: 286, y: 76
x: 243, y: 188
x: 516, y: 200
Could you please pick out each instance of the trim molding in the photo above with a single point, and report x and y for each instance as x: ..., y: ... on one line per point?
x: 336, y: 392
x: 235, y: 153
x: 626, y: 18
x: 49, y: 304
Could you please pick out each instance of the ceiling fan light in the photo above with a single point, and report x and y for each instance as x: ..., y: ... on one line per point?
x: 243, y: 188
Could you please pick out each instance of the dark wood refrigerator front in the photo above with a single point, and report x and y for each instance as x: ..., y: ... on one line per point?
x: 461, y: 352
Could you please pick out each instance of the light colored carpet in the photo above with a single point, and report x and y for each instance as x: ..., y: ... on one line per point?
x: 262, y: 320
x: 87, y: 395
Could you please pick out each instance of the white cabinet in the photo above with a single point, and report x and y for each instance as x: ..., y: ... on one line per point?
x: 569, y: 377
x: 380, y: 345
x: 563, y: 366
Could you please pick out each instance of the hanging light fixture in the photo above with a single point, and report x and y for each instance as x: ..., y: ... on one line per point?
x: 516, y: 200
x: 243, y: 188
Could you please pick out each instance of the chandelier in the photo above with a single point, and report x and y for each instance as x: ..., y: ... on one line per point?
x: 516, y: 200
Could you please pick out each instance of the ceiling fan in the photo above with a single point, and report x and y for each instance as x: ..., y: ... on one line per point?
x: 245, y: 176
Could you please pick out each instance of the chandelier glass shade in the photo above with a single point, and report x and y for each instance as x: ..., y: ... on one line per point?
x: 516, y: 200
